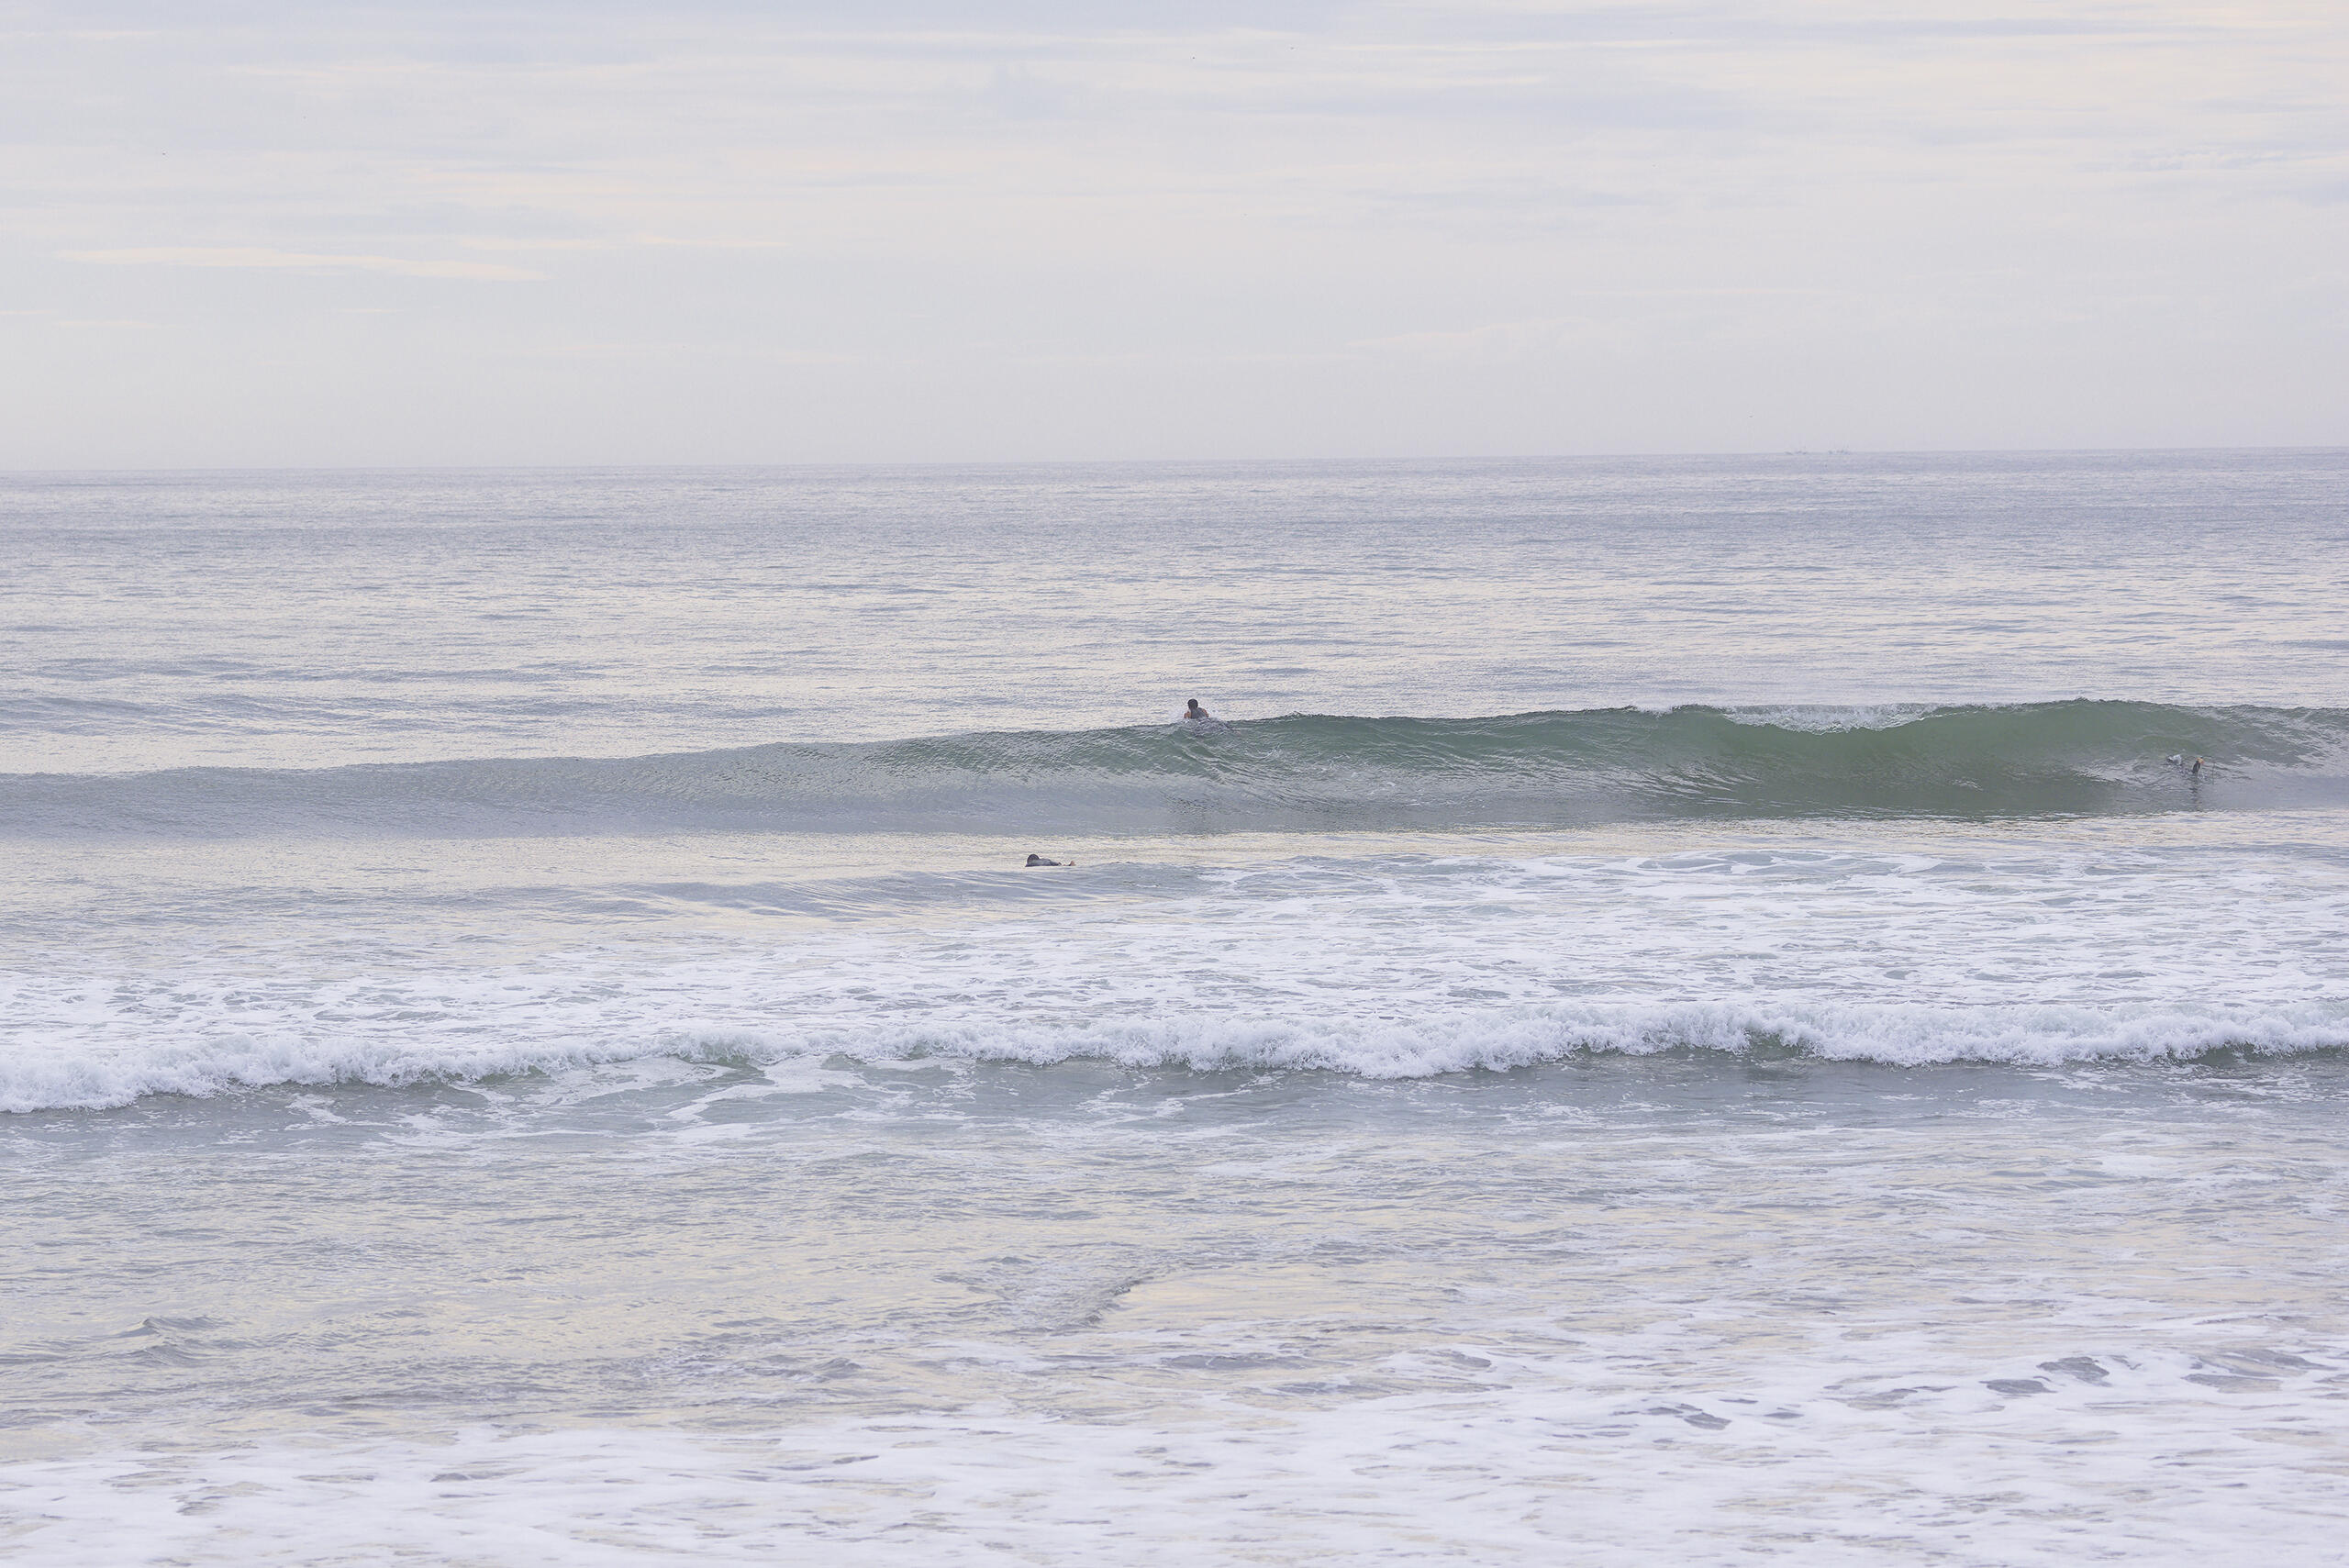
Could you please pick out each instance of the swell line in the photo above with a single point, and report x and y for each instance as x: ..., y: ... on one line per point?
x: 1306, y: 772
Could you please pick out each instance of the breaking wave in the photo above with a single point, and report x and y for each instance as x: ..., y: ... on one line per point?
x: 1891, y: 1034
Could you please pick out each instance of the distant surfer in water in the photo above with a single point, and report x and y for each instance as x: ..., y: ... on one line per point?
x: 1040, y: 860
x: 1201, y: 721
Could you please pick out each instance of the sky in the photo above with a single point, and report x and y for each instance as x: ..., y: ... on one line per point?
x: 269, y: 234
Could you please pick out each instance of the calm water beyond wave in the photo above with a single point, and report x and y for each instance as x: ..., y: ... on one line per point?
x: 1684, y: 1011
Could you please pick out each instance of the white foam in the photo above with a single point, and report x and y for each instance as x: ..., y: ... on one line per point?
x: 1817, y: 1466
x: 1824, y: 720
x: 2026, y: 955
x: 585, y: 1023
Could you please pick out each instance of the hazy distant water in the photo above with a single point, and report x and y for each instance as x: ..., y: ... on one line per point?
x: 1686, y: 1016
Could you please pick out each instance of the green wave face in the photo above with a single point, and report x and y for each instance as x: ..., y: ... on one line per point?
x: 2055, y: 757
x: 1304, y: 772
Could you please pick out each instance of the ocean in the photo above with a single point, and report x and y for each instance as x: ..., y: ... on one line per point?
x: 1692, y: 1010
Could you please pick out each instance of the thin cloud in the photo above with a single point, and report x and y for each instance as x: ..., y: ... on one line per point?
x: 903, y: 226
x: 497, y: 242
x: 299, y: 261
x: 714, y: 244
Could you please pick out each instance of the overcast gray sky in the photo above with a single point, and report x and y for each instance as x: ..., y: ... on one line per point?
x: 272, y: 233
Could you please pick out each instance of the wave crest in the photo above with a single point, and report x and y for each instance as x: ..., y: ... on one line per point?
x: 1893, y: 1035
x: 1309, y: 772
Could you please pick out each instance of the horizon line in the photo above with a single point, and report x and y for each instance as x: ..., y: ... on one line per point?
x: 949, y: 463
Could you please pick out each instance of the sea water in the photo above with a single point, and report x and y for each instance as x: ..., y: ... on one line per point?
x: 1682, y: 1013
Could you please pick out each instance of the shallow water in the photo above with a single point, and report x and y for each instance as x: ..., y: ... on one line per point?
x: 1888, y: 1112
x: 1942, y: 1313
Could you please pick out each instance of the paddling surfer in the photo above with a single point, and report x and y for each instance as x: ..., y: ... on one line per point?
x: 1200, y: 720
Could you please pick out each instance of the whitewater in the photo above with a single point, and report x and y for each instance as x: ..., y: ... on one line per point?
x: 1687, y: 1010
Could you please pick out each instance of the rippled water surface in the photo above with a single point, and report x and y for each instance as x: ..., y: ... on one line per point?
x: 303, y: 620
x: 1685, y: 1011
